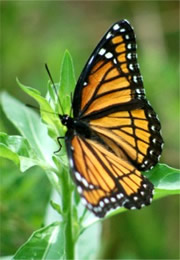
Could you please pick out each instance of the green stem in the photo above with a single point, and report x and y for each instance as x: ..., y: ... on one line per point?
x: 67, y: 215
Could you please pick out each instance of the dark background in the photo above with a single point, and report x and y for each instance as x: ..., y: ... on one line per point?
x: 33, y: 33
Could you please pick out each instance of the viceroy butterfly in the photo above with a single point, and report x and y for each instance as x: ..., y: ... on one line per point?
x: 114, y: 133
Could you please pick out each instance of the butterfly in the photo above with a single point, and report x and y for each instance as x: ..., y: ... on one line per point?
x: 114, y: 132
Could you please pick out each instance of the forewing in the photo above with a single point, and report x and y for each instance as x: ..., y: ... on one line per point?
x: 111, y: 78
x: 104, y: 180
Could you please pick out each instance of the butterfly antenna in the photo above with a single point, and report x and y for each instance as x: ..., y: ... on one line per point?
x: 37, y: 108
x: 31, y: 106
x: 71, y: 104
x: 55, y: 89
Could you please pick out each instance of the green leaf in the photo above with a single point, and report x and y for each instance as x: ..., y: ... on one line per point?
x: 17, y: 144
x: 67, y: 81
x: 30, y: 126
x: 165, y: 177
x: 5, y: 152
x: 45, y: 243
x: 17, y: 149
x: 56, y: 207
x: 47, y: 113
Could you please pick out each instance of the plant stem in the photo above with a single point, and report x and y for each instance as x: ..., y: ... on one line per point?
x: 67, y: 215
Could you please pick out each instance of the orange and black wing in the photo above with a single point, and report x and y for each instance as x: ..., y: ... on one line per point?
x: 110, y: 98
x: 111, y: 79
x: 133, y: 135
x: 105, y: 180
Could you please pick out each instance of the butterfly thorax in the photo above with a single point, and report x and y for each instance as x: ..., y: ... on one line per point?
x: 81, y: 128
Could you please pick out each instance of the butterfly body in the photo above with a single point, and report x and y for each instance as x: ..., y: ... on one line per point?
x: 76, y: 126
x: 114, y: 132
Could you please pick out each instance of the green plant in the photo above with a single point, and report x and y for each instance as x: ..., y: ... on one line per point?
x: 36, y: 146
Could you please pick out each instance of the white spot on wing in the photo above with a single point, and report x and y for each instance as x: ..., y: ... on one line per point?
x: 108, y: 35
x: 133, y: 207
x: 106, y: 200
x: 122, y: 30
x: 135, y: 79
x: 101, y: 203
x: 115, y: 61
x: 119, y: 196
x: 112, y: 199
x: 85, y: 182
x: 102, y: 51
x: 154, y: 140
x: 138, y: 91
x: 129, y: 56
x: 116, y: 27
x: 131, y: 66
x: 135, y: 198
x: 108, y: 55
x: 78, y: 176
x: 151, y: 152
x: 89, y: 206
x: 71, y: 162
x: 90, y: 61
x: 79, y: 189
x: 159, y: 157
x: 97, y: 209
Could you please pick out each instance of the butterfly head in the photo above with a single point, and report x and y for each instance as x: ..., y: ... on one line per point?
x: 67, y: 120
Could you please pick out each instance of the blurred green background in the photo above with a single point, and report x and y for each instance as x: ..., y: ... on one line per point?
x: 33, y: 33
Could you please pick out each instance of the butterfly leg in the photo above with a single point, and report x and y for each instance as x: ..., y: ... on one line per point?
x: 60, y: 145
